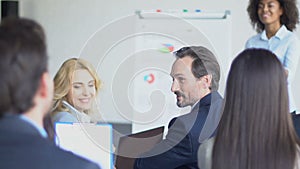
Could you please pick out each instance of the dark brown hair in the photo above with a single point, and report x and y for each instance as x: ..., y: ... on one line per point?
x: 289, y: 18
x: 256, y: 130
x: 23, y: 61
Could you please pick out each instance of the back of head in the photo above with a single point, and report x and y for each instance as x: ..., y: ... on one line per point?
x: 204, y: 63
x: 23, y: 61
x: 255, y: 123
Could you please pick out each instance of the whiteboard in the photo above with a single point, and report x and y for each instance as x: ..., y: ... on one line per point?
x: 90, y: 141
x: 128, y: 51
x: 154, y: 104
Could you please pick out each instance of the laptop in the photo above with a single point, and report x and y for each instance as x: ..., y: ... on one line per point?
x: 133, y: 145
x: 90, y: 141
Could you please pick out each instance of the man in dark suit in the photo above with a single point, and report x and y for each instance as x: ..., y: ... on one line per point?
x: 196, y: 75
x: 26, y: 91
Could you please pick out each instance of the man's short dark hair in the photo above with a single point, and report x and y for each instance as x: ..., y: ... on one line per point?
x: 204, y: 63
x: 23, y: 60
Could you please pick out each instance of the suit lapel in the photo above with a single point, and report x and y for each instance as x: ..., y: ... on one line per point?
x: 213, y: 117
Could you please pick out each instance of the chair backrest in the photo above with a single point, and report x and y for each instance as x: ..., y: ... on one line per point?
x: 131, y: 146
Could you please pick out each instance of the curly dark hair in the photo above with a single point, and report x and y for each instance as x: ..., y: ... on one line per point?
x: 289, y: 18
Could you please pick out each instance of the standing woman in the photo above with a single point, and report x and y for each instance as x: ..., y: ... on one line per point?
x: 76, y: 85
x: 274, y: 20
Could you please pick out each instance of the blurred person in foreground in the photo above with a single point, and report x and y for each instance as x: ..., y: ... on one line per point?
x: 26, y: 92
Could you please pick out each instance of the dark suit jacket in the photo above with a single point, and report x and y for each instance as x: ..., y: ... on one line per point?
x: 179, y: 149
x: 22, y: 147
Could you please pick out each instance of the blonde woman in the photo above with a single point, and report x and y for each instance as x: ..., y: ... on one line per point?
x: 76, y: 85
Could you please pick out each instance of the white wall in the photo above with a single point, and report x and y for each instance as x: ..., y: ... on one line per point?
x: 70, y: 23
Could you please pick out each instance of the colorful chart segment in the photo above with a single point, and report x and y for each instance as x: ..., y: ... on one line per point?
x: 167, y: 48
x: 150, y: 78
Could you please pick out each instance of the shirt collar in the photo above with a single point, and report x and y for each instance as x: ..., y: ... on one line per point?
x: 195, y: 104
x: 41, y: 130
x: 279, y: 34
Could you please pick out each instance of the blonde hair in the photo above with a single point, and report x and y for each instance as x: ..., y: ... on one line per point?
x: 63, y: 83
